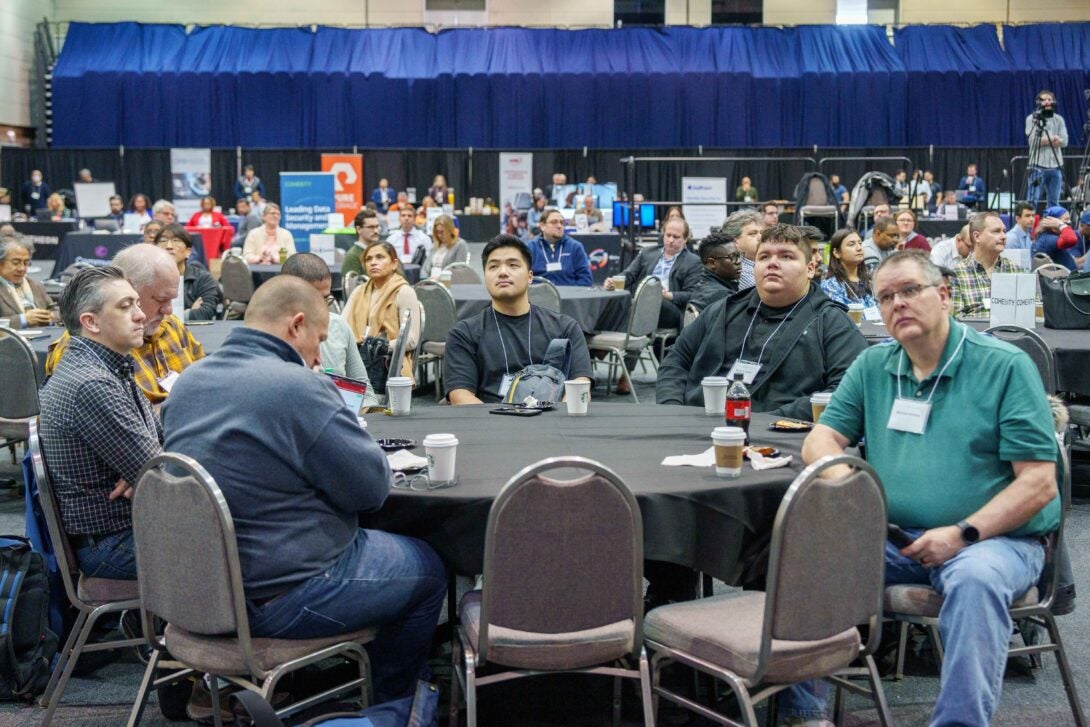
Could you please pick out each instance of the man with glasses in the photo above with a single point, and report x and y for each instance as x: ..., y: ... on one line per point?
x: 558, y: 257
x: 971, y: 296
x: 722, y: 267
x: 673, y: 264
x: 367, y: 232
x: 786, y: 337
x: 960, y: 433
x: 744, y: 227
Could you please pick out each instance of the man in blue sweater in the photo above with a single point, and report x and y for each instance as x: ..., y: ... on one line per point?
x: 296, y: 469
x: 556, y: 256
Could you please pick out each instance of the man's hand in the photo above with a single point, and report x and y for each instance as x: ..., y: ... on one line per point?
x: 667, y: 295
x: 121, y: 489
x: 197, y: 304
x: 38, y: 317
x: 936, y: 546
x: 608, y: 285
x: 1055, y: 142
x: 1051, y: 224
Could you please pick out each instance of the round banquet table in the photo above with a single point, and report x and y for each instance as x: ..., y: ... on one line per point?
x: 690, y: 516
x: 594, y: 309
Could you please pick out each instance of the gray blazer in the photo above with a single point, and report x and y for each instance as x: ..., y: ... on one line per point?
x: 9, y: 309
x: 458, y: 254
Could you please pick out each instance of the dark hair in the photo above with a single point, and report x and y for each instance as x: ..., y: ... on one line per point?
x: 363, y: 214
x: 1022, y: 207
x: 1041, y: 93
x: 500, y: 241
x: 836, y: 269
x: 248, y: 166
x: 812, y: 233
x: 117, y: 197
x: 407, y: 206
x: 138, y: 195
x: 308, y: 266
x: 83, y: 294
x: 548, y: 212
x: 979, y: 221
x: 781, y: 232
x: 391, y: 252
x: 712, y: 242
x: 240, y: 200
x: 884, y: 223
x: 175, y: 231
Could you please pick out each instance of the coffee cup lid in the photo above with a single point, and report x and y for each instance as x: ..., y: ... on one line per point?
x: 440, y: 440
x: 821, y: 396
x: 714, y: 381
x: 855, y: 306
x: 574, y: 382
x: 399, y: 381
x: 728, y: 433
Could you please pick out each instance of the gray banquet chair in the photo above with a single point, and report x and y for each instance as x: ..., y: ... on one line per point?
x: 824, y: 581
x: 463, y: 274
x: 643, y: 319
x: 238, y: 286
x: 440, y: 315
x: 93, y: 598
x: 349, y: 282
x: 19, y: 394
x: 691, y: 314
x: 563, y: 585
x: 544, y: 293
x: 185, y: 545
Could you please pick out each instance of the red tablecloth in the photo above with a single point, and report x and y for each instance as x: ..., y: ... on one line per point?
x: 216, y: 239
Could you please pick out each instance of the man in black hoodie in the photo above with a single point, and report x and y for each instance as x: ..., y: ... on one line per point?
x: 785, y: 336
x: 722, y: 262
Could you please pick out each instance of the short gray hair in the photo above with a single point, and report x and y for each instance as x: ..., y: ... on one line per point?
x: 161, y: 205
x: 737, y: 220
x: 142, y: 263
x: 931, y: 273
x: 83, y: 294
x: 7, y: 244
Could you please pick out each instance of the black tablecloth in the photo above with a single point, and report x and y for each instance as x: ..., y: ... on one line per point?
x: 104, y: 247
x: 690, y: 516
x: 1070, y: 351
x: 265, y: 273
x: 593, y: 308
x: 478, y: 228
x: 939, y: 227
x: 46, y: 236
x: 604, y: 250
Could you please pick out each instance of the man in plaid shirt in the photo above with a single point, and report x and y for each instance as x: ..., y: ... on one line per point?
x: 98, y: 429
x: 971, y: 296
x: 167, y: 347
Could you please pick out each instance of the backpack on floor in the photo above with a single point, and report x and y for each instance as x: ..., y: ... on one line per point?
x: 27, y: 646
x: 543, y: 381
x: 419, y: 710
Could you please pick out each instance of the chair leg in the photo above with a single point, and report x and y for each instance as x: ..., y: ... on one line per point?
x: 62, y: 662
x: 877, y: 694
x: 902, y: 645
x: 69, y: 667
x: 936, y: 643
x: 471, y: 693
x: 838, y: 705
x: 145, y: 686
x: 645, y: 691
x: 1065, y: 672
x: 455, y: 681
x: 214, y: 689
x: 616, y: 701
x: 624, y: 372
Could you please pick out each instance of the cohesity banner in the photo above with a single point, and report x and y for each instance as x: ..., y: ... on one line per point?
x: 306, y: 201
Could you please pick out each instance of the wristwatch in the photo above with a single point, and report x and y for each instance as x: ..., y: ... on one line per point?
x: 968, y: 532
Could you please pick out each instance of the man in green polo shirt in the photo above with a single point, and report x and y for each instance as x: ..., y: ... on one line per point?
x: 960, y: 433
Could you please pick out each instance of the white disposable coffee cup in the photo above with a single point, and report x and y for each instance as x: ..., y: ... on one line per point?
x: 5, y: 323
x: 715, y: 395
x: 618, y: 282
x: 855, y: 312
x: 440, y: 449
x: 729, y: 443
x: 818, y: 401
x: 577, y: 397
x: 399, y: 395
x: 446, y: 277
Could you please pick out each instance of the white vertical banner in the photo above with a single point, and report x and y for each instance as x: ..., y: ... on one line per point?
x: 516, y: 184
x: 190, y: 179
x: 1014, y: 300
x: 704, y: 203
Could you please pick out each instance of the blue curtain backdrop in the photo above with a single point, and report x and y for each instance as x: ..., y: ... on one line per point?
x: 158, y: 86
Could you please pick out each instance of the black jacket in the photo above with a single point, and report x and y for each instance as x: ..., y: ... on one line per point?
x: 199, y: 283
x: 810, y: 353
x: 684, y: 275
x: 712, y: 288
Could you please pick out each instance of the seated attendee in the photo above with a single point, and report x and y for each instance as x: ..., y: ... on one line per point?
x: 168, y: 348
x: 249, y: 220
x: 1058, y: 240
x: 201, y: 292
x: 367, y: 232
x: 744, y: 227
x: 533, y: 215
x: 402, y: 199
x: 257, y: 203
x: 57, y: 209
x: 847, y: 280
x: 973, y: 481
x: 816, y: 238
x: 377, y: 308
x: 140, y: 206
x: 557, y: 257
x: 759, y: 333
x: 296, y: 469
x: 880, y: 210
x: 208, y: 216
x: 446, y: 248
x: 340, y: 355
x: 163, y: 211
x: 972, y: 187
x: 383, y: 196
x: 883, y: 242
x: 23, y: 300
x: 950, y: 207
x: 770, y: 214
x: 438, y: 190
x: 910, y: 239
x: 97, y: 431
x: 422, y: 213
x: 593, y: 214
x: 152, y: 230
x: 117, y: 211
x: 406, y: 239
x: 485, y: 351
x: 947, y: 253
x: 1018, y: 236
x: 678, y: 269
x: 270, y: 243
x: 722, y: 266
x: 746, y: 192
x: 248, y: 183
x: 972, y: 293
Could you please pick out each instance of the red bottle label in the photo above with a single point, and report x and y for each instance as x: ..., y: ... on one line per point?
x: 737, y: 409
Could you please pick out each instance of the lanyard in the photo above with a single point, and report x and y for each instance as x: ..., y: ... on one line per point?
x: 901, y: 361
x: 545, y: 250
x: 503, y: 346
x: 742, y: 350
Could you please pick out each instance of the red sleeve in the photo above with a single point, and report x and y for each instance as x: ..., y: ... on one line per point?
x: 1067, y: 238
x: 194, y: 220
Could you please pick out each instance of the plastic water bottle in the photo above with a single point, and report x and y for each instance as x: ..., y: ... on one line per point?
x: 738, y: 405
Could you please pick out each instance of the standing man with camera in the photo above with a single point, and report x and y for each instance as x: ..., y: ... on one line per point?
x: 1047, y: 135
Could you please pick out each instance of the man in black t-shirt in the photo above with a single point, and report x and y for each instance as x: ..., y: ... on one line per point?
x: 483, y: 353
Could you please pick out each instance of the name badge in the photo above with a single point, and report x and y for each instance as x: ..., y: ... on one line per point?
x: 505, y: 385
x: 553, y: 267
x: 168, y: 381
x: 987, y: 301
x: 871, y: 313
x: 909, y: 416
x: 748, y: 370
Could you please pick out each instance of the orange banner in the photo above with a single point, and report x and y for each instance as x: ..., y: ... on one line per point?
x: 348, y: 183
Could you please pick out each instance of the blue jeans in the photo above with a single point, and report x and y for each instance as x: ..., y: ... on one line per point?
x: 1051, y: 180
x: 111, y: 556
x: 389, y: 581
x: 978, y: 586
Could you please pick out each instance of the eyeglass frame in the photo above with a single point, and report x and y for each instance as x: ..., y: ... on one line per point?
x: 908, y: 294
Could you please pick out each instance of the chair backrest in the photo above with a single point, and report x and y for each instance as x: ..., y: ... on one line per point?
x: 398, y: 353
x: 816, y: 193
x: 544, y: 293
x: 19, y: 394
x: 1052, y: 270
x: 691, y: 314
x: 1040, y: 259
x: 236, y: 279
x: 62, y: 548
x: 824, y: 578
x: 563, y: 555
x: 1035, y: 347
x: 440, y: 310
x: 643, y: 318
x: 463, y: 274
x: 349, y: 282
x: 186, y: 547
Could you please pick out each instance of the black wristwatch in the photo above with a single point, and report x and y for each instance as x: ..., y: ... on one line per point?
x: 968, y: 533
